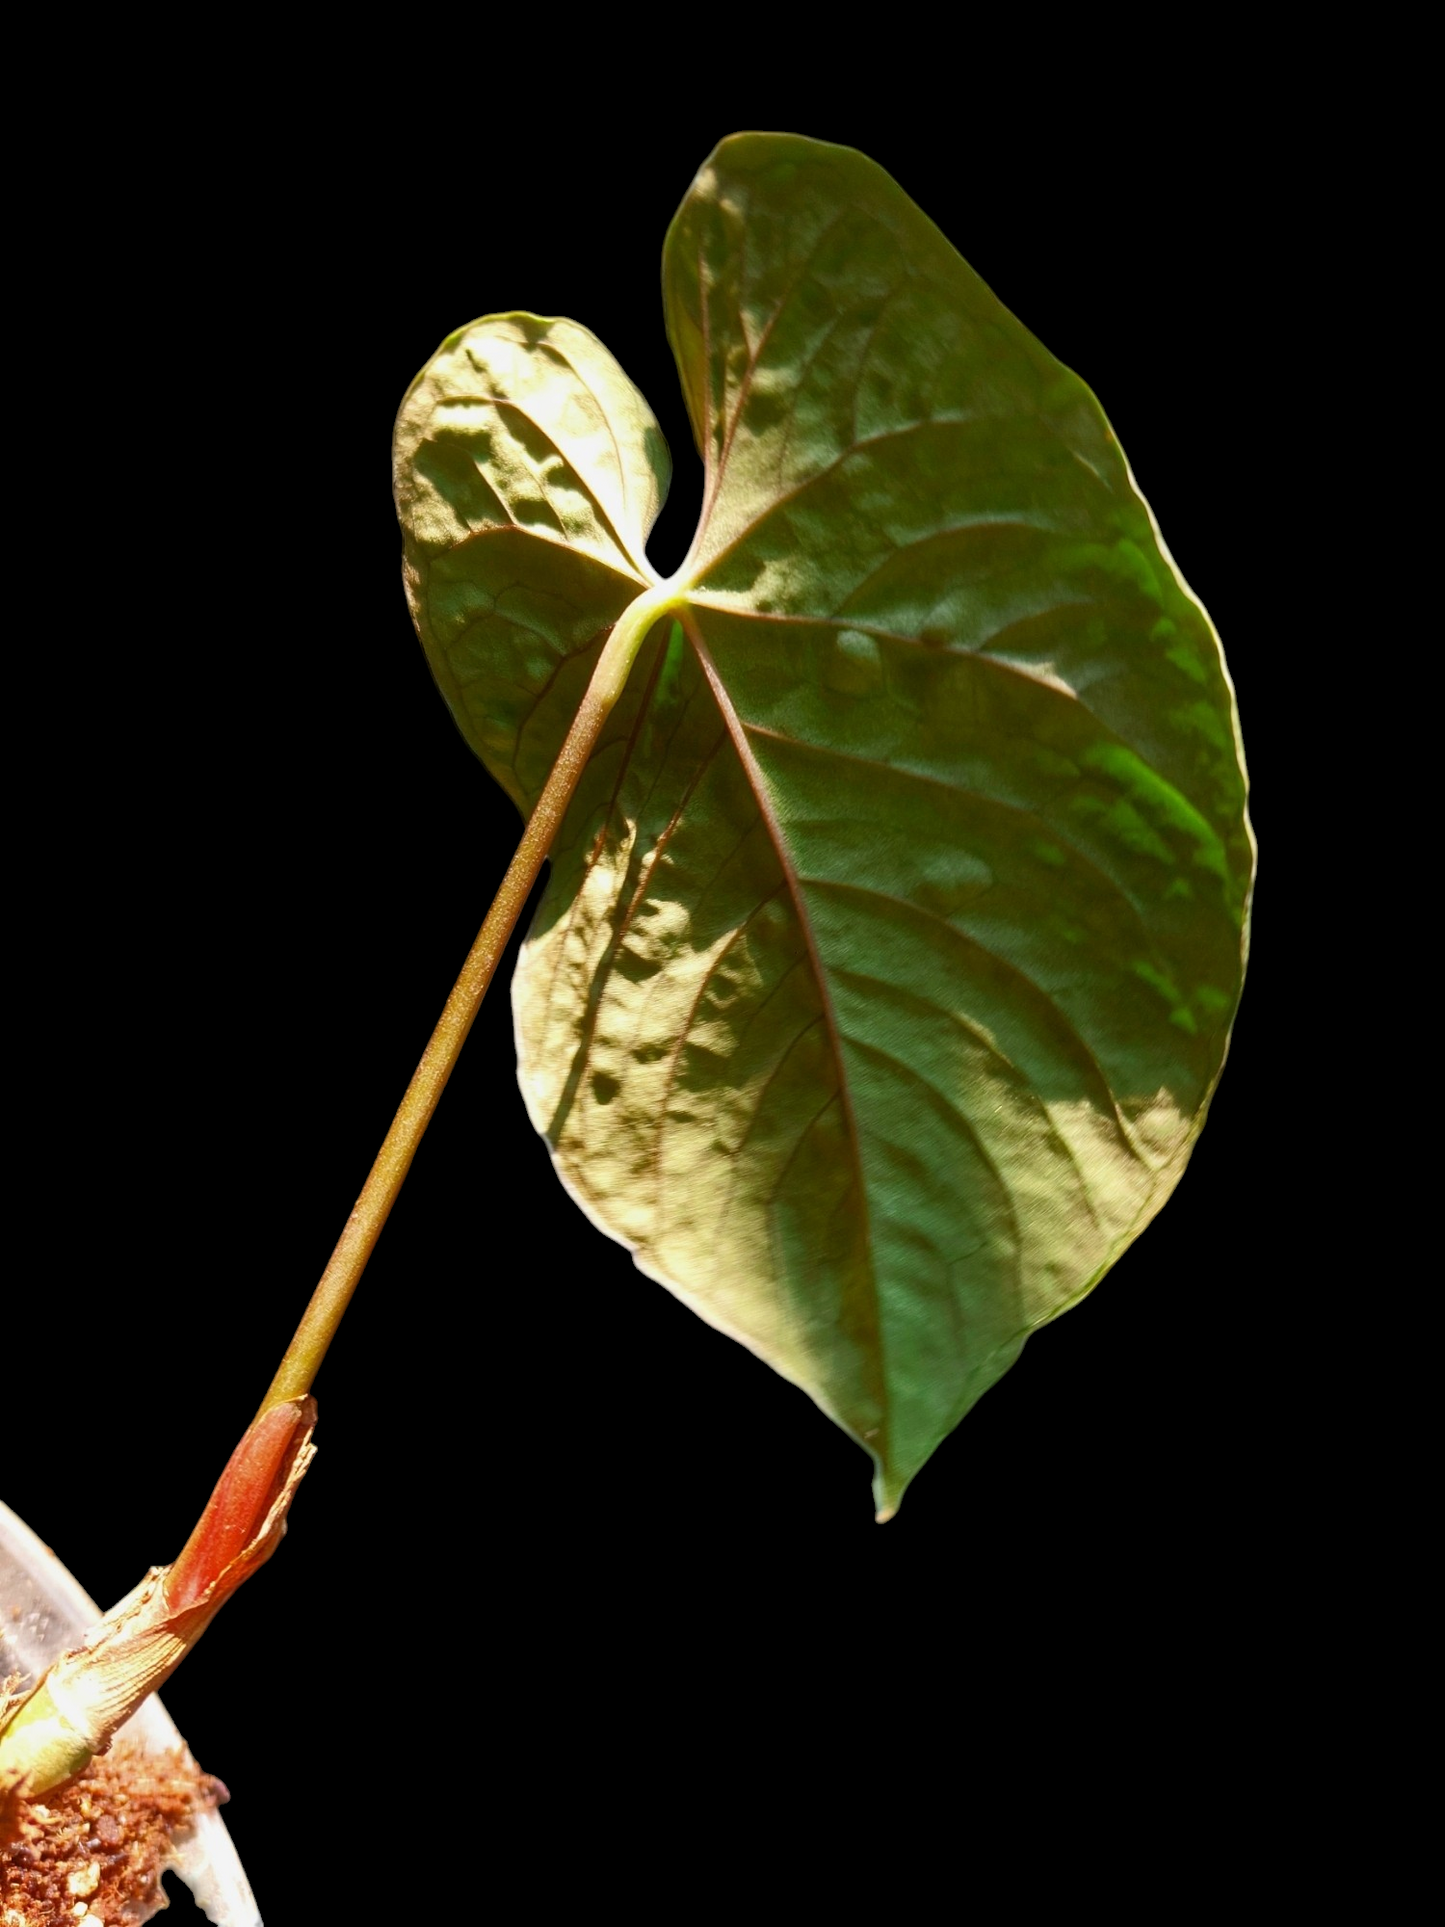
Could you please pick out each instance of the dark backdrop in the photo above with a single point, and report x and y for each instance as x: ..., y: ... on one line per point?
x: 252, y: 854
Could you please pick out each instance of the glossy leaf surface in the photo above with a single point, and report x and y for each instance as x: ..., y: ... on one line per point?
x: 895, y: 931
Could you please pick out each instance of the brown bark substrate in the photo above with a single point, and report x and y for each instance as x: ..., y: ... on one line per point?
x: 93, y: 1850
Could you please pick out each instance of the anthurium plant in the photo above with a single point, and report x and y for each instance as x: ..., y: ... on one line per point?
x: 900, y: 860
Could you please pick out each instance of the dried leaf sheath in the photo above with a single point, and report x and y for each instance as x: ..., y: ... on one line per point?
x: 91, y: 1691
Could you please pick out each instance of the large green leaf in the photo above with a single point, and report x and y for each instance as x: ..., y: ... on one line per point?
x: 895, y: 931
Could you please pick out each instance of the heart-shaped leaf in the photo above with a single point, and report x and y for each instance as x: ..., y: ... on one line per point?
x: 895, y: 930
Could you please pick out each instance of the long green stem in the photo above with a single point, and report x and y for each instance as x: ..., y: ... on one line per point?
x: 341, y: 1276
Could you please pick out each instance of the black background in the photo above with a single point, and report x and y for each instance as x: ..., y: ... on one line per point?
x: 254, y: 851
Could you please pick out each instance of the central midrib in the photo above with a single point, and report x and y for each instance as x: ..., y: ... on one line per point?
x: 757, y: 783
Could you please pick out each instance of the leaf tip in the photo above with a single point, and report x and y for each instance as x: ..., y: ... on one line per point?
x: 888, y: 1490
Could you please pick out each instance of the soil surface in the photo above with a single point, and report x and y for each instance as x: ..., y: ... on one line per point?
x: 94, y: 1850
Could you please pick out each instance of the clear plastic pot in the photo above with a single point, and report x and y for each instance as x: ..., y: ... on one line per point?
x: 43, y: 1610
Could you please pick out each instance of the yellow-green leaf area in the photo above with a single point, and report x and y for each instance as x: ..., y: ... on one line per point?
x: 528, y: 472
